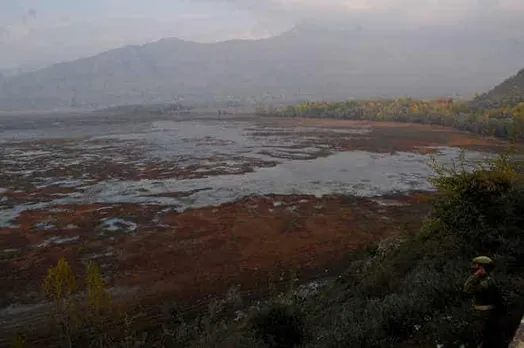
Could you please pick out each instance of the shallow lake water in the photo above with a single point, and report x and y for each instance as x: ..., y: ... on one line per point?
x: 282, y: 160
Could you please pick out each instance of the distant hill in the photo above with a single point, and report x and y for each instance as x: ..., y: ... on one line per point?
x: 508, y: 93
x: 22, y: 69
x: 2, y: 82
x: 159, y: 109
x: 305, y: 63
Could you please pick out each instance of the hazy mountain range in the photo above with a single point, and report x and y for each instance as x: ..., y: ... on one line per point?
x: 22, y: 69
x: 307, y: 62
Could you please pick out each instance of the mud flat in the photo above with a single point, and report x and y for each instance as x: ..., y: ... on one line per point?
x: 185, y: 209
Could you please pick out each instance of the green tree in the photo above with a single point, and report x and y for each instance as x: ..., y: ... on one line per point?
x: 60, y: 286
x: 518, y: 121
x: 18, y: 342
x: 98, y: 300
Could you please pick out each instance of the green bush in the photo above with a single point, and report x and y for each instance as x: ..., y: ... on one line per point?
x: 412, y: 295
x: 482, y: 209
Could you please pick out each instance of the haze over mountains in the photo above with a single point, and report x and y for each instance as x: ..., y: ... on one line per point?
x: 308, y: 62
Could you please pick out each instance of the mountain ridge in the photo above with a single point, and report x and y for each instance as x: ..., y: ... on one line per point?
x: 302, y: 63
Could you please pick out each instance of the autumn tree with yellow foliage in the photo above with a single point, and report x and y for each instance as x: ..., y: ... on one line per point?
x: 500, y: 122
x: 60, y: 286
x: 76, y: 309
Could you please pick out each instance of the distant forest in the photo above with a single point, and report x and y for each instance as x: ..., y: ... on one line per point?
x: 499, y: 112
x: 504, y: 122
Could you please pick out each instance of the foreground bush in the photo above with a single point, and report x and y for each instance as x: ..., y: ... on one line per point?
x: 280, y: 325
x: 413, y: 295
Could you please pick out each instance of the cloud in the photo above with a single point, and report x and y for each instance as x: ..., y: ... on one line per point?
x: 392, y: 12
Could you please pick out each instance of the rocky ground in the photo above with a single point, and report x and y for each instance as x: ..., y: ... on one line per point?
x: 185, y: 210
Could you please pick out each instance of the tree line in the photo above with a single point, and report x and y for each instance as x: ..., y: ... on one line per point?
x: 503, y: 122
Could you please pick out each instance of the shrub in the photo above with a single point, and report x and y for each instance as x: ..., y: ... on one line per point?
x: 97, y: 299
x: 18, y: 342
x: 280, y: 325
x: 412, y: 295
x: 482, y: 208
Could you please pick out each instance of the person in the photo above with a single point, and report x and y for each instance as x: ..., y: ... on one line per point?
x: 487, y: 303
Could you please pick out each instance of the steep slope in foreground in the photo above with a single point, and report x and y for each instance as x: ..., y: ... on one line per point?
x: 306, y: 62
x: 508, y: 93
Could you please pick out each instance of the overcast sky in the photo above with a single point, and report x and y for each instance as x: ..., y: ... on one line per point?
x: 39, y: 32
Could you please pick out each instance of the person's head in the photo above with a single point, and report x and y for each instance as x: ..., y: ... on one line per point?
x: 482, y: 262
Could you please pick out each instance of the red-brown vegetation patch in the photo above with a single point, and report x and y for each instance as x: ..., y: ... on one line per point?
x: 210, y: 249
x: 204, y: 251
x: 393, y: 136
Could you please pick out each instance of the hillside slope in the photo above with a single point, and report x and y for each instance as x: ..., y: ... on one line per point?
x: 508, y: 93
x: 304, y: 63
